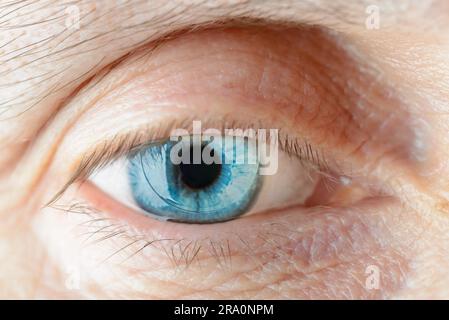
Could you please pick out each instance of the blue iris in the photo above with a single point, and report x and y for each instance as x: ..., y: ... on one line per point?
x: 196, y: 182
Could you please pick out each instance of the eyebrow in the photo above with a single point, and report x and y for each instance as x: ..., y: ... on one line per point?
x: 43, y: 36
x: 40, y: 72
x: 45, y: 59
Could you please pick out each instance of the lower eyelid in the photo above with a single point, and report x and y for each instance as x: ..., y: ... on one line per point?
x: 307, y: 248
x: 325, y: 191
x: 247, y: 225
x: 303, y: 243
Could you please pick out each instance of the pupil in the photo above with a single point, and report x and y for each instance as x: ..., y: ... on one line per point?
x: 198, y: 176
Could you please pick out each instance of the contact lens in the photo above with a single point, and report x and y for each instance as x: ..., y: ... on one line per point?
x: 196, y: 181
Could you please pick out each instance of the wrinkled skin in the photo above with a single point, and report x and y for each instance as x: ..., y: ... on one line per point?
x: 374, y: 101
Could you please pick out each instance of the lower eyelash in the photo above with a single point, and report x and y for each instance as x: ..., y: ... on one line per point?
x: 98, y: 229
x: 181, y: 252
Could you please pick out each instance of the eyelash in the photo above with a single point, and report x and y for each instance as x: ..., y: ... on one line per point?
x: 126, y: 144
x: 101, y: 228
x: 181, y: 252
x: 107, y: 229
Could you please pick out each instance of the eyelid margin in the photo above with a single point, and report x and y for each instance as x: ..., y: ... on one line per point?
x: 122, y: 145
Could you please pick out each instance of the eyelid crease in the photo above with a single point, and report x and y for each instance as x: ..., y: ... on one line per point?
x: 124, y: 144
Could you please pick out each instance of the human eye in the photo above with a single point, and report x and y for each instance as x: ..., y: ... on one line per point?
x: 203, y: 190
x: 206, y: 180
x: 147, y: 203
x: 194, y: 191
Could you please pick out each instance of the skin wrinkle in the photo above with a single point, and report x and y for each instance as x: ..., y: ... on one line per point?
x: 111, y: 11
x: 415, y: 192
x: 233, y: 250
x: 55, y: 142
x: 47, y: 161
x: 267, y: 271
x: 379, y: 125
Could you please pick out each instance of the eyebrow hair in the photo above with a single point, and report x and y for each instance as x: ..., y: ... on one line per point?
x: 44, y: 62
x: 37, y: 69
x: 102, y: 23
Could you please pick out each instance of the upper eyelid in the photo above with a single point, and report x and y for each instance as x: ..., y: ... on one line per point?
x: 367, y: 118
x: 80, y: 101
x: 104, y: 153
x: 411, y: 132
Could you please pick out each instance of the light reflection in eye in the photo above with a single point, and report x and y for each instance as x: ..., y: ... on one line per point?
x: 215, y: 188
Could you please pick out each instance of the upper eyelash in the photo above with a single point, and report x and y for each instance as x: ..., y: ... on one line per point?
x: 125, y: 144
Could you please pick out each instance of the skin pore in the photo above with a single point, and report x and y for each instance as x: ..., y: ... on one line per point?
x: 373, y: 102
